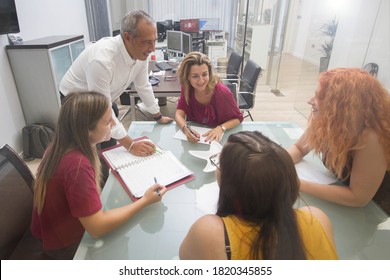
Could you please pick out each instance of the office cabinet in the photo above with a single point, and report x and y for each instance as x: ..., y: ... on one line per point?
x: 258, y: 40
x: 38, y: 67
x: 216, y: 49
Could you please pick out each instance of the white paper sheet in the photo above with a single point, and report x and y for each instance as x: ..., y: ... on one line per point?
x: 215, y: 148
x: 206, y: 198
x: 201, y: 130
x: 293, y: 132
x: 312, y: 173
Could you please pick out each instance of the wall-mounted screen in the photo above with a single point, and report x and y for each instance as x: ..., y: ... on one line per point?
x: 189, y: 25
x: 8, y: 17
x: 208, y: 24
x: 174, y: 41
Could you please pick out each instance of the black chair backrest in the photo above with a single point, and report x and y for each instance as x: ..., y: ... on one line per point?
x: 16, y: 200
x: 234, y: 63
x: 250, y: 76
x: 372, y: 68
x: 234, y: 89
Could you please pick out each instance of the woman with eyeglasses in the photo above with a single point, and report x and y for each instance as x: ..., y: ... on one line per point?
x: 255, y: 218
x: 204, y: 99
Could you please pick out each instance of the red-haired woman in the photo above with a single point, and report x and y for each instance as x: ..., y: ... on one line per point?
x: 350, y: 128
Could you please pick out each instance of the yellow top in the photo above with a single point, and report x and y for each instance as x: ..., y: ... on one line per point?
x: 315, y: 240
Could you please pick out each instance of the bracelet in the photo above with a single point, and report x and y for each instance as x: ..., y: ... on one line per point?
x: 182, y: 129
x: 131, y: 146
x: 158, y: 118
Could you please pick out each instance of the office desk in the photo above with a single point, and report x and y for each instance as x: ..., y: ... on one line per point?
x: 166, y: 87
x: 157, y: 231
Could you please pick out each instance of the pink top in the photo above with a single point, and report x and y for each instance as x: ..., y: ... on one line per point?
x: 222, y: 107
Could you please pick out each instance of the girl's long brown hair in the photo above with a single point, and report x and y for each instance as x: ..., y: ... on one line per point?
x: 79, y: 114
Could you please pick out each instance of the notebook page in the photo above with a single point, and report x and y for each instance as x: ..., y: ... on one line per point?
x: 119, y: 157
x: 165, y: 167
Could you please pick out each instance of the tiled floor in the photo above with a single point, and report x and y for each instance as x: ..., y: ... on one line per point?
x: 291, y: 106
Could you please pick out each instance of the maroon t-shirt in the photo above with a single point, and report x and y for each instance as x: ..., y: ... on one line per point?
x: 71, y: 193
x: 222, y: 107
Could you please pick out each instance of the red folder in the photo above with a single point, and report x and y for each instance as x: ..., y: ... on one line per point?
x: 127, y: 189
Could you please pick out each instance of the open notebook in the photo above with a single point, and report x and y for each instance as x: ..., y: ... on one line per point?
x: 137, y: 174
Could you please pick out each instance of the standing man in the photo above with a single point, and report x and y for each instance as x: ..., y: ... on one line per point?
x: 111, y: 64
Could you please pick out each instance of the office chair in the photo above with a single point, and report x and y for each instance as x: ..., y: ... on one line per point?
x: 233, y: 87
x: 16, y: 204
x: 233, y: 67
x: 372, y: 68
x: 247, y: 83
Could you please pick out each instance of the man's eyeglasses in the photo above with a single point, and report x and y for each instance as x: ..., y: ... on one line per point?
x: 214, y: 159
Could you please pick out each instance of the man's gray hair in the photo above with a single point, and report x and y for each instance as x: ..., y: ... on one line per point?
x: 130, y: 22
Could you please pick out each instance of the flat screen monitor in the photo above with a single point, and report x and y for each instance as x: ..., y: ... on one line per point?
x: 174, y: 41
x: 176, y: 25
x: 8, y: 17
x: 163, y: 26
x: 187, y: 43
x: 189, y: 25
x: 208, y: 24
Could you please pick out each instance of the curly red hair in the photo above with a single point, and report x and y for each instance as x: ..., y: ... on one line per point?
x: 350, y: 102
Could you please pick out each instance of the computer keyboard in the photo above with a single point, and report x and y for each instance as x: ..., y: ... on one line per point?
x: 163, y: 65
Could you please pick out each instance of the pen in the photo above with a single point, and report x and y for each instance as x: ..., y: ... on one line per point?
x: 193, y: 133
x: 158, y: 190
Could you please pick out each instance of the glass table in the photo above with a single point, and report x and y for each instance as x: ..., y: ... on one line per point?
x: 157, y: 231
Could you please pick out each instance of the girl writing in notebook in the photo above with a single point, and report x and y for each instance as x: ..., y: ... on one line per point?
x: 204, y: 99
x: 256, y: 218
x: 66, y: 192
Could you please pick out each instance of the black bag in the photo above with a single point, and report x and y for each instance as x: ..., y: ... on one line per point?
x: 36, y: 137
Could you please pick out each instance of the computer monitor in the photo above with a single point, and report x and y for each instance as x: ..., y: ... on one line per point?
x: 189, y: 25
x: 174, y: 41
x: 162, y: 27
x: 208, y: 24
x: 176, y: 25
x: 186, y: 43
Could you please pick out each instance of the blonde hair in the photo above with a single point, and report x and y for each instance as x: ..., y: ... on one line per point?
x: 350, y: 102
x: 196, y: 58
x: 79, y: 114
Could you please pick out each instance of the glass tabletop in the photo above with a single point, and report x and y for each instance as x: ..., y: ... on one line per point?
x: 157, y: 231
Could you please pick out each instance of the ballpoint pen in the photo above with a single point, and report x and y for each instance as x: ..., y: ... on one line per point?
x: 158, y: 190
x: 193, y: 133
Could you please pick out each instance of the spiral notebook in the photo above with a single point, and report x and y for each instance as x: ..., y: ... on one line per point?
x: 137, y: 174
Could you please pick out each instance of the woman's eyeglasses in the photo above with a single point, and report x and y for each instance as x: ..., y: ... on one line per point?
x: 214, y: 159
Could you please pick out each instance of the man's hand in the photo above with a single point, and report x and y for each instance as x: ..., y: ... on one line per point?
x: 143, y: 148
x: 165, y: 120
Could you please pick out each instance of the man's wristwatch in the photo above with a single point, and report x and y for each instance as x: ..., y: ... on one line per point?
x: 223, y: 128
x: 158, y: 118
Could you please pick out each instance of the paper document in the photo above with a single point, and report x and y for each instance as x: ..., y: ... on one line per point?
x: 201, y: 130
x: 137, y: 173
x: 312, y: 173
x: 207, y: 198
x: 215, y: 148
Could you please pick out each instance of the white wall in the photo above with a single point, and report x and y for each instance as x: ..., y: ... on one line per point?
x: 37, y: 19
x: 363, y: 33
